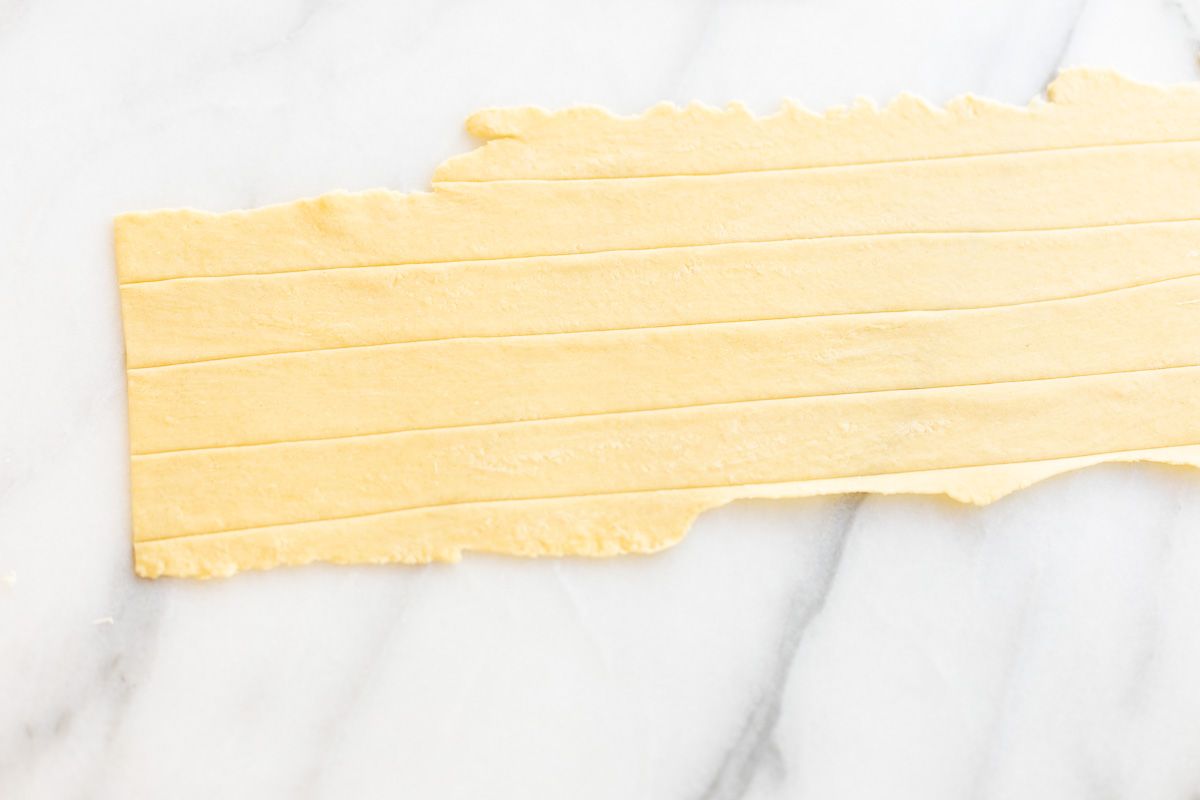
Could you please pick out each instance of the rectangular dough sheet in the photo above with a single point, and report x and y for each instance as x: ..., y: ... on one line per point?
x: 596, y: 327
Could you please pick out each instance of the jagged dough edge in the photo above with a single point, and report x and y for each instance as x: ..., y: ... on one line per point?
x: 225, y: 555
x: 1074, y: 86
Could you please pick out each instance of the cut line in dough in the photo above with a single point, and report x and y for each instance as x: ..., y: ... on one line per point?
x: 595, y: 327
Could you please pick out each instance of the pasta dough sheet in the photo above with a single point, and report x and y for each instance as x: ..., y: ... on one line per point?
x: 596, y: 327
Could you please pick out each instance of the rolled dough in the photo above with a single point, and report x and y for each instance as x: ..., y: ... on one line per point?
x: 596, y: 327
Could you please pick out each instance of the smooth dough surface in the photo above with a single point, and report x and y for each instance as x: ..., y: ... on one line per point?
x: 594, y: 328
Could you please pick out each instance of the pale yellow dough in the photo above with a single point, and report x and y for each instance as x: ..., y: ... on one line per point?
x: 594, y: 328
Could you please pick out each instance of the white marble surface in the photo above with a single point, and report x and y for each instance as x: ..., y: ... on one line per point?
x: 1047, y: 646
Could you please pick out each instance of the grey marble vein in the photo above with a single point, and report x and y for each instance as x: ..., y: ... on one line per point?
x: 754, y: 747
x: 1068, y: 38
x: 355, y: 688
x: 111, y: 674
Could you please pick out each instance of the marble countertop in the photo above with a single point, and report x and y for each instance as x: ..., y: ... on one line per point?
x: 1045, y: 646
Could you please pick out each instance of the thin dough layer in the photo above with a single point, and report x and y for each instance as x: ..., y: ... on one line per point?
x: 474, y: 381
x: 185, y: 320
x: 594, y: 328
